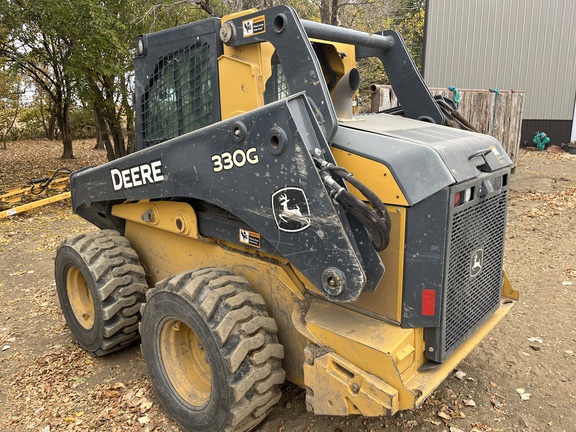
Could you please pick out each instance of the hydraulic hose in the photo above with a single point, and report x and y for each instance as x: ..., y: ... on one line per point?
x: 375, y: 219
x: 45, y: 182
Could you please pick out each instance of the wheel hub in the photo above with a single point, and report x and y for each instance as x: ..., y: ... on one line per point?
x: 80, y: 298
x: 185, y: 362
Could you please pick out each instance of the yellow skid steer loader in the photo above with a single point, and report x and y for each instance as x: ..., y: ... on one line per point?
x: 261, y: 232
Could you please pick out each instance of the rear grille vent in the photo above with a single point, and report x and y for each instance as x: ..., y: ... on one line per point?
x: 497, y: 183
x: 474, y: 274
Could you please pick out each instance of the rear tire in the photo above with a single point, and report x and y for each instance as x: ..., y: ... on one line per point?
x: 100, y: 285
x: 211, y: 351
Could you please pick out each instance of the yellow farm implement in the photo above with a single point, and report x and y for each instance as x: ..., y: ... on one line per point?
x: 36, y: 193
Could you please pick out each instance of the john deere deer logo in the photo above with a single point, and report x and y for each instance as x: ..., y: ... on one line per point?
x: 291, y: 210
x: 476, y: 262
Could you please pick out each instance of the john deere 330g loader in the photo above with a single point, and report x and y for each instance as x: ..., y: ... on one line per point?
x: 262, y: 233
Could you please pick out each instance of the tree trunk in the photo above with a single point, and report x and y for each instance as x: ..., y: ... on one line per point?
x: 11, y: 125
x: 334, y: 13
x: 49, y: 124
x: 52, y: 129
x: 64, y: 125
x: 325, y: 11
x: 128, y: 109
x: 117, y: 138
x: 104, y: 129
x: 99, y: 141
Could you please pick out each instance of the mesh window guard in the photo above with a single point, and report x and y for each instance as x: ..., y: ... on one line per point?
x: 179, y: 97
x: 276, y: 86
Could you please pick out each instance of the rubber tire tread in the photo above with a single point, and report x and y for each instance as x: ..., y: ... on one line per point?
x: 118, y: 284
x: 253, y: 362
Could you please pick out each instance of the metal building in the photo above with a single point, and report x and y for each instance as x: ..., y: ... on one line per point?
x: 508, y: 44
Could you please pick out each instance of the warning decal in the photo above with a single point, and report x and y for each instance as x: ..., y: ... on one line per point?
x: 249, y: 238
x: 254, y: 26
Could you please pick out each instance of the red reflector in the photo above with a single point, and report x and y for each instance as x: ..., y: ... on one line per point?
x: 457, y: 197
x: 428, y: 302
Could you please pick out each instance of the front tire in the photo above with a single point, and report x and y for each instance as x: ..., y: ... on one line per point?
x: 101, y: 285
x: 211, y: 351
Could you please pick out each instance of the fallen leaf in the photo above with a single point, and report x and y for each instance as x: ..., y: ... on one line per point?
x: 145, y: 405
x: 460, y: 375
x: 443, y: 415
x: 434, y: 422
x: 144, y: 420
x: 535, y: 339
x: 470, y: 403
x: 111, y: 393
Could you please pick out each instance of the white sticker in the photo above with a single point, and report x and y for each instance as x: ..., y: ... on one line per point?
x: 254, y: 26
x: 249, y: 238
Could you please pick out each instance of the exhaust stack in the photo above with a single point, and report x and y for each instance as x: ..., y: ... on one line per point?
x: 343, y: 93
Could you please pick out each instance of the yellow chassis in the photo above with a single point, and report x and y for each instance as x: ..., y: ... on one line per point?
x: 349, y: 362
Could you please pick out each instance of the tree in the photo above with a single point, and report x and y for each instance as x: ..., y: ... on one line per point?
x: 36, y: 47
x: 410, y: 25
x: 10, y: 93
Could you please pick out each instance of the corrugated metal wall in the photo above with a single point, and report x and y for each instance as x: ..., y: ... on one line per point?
x: 507, y: 44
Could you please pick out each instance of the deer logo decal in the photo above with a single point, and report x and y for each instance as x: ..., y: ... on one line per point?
x: 291, y: 209
x: 476, y: 262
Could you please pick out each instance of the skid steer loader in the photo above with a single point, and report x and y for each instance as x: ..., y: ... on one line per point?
x: 262, y: 232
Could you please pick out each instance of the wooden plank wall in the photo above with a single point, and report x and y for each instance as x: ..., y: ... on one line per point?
x: 476, y: 106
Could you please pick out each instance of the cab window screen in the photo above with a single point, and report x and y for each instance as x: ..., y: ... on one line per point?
x: 276, y: 86
x: 179, y: 97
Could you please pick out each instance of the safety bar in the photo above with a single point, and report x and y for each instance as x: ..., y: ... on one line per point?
x: 347, y: 36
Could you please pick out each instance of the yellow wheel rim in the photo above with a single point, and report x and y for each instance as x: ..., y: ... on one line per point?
x: 185, y: 362
x: 80, y: 297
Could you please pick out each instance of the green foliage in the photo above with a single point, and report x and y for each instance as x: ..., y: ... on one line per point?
x: 412, y: 30
x: 81, y: 50
x: 10, y: 93
x: 29, y: 124
x: 82, y: 123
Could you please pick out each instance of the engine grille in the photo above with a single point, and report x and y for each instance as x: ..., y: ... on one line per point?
x: 471, y: 298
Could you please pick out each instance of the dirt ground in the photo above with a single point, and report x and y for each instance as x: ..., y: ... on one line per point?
x: 48, y: 384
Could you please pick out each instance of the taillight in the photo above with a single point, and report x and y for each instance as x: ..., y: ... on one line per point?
x: 428, y: 302
x: 463, y: 197
x: 457, y: 199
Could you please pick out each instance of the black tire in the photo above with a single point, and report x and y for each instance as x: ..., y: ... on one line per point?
x: 101, y: 286
x: 211, y: 351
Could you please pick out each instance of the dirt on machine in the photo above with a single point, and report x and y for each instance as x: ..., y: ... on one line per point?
x: 262, y: 232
